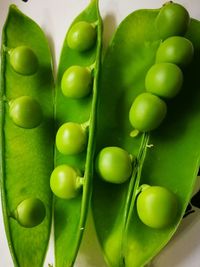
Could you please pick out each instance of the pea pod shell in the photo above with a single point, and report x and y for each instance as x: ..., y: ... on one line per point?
x: 168, y: 156
x: 26, y: 154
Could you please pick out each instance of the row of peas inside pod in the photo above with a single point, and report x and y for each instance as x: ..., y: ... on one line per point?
x: 163, y: 81
x: 26, y: 112
x: 72, y: 137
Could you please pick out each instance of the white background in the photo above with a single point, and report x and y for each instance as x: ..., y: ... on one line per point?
x: 55, y: 17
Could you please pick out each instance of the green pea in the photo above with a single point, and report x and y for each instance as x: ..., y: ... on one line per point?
x: 65, y: 182
x: 25, y: 112
x: 71, y: 138
x: 157, y: 207
x: 164, y: 80
x: 114, y: 165
x: 76, y: 82
x: 173, y: 19
x: 81, y: 36
x: 30, y: 212
x: 23, y: 60
x: 147, y: 112
x: 177, y: 50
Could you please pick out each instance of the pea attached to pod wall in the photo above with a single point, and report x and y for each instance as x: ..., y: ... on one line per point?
x: 173, y: 19
x: 164, y: 80
x: 177, y: 50
x: 30, y: 212
x: 76, y: 82
x: 71, y: 138
x: 114, y: 165
x: 23, y: 60
x: 25, y: 112
x: 82, y: 36
x: 147, y: 112
x: 157, y: 206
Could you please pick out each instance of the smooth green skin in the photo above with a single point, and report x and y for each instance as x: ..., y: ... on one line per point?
x: 71, y: 138
x: 157, y: 207
x: 25, y: 112
x: 23, y: 60
x: 114, y: 165
x: 76, y: 82
x: 82, y: 36
x: 173, y: 19
x: 30, y: 212
x: 64, y: 182
x: 147, y: 112
x: 177, y: 50
x: 164, y: 80
x: 68, y: 233
x: 26, y: 156
x: 167, y: 157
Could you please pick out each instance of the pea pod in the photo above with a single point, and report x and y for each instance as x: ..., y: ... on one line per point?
x: 70, y: 214
x: 167, y: 157
x: 26, y: 154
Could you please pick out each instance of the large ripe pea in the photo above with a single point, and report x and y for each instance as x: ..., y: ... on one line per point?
x: 173, y: 19
x: 147, y: 112
x: 164, y: 80
x: 157, y: 207
x: 23, y: 60
x: 71, y: 138
x: 65, y: 182
x: 30, y: 212
x: 76, y: 82
x: 177, y: 50
x: 82, y: 36
x: 114, y: 165
x: 25, y: 112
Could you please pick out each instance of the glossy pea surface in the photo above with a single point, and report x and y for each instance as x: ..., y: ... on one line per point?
x: 71, y: 138
x: 147, y: 112
x: 173, y: 19
x: 30, y: 212
x: 81, y: 36
x: 157, y: 207
x: 23, y: 60
x: 63, y: 182
x: 76, y: 82
x: 176, y: 49
x: 26, y: 112
x: 164, y: 80
x: 114, y: 165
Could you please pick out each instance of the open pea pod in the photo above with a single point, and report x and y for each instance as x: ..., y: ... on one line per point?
x: 26, y: 155
x: 168, y: 156
x: 70, y: 214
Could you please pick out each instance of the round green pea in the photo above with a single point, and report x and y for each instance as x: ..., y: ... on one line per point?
x: 157, y: 207
x: 164, y: 80
x: 147, y: 112
x: 71, y: 138
x: 173, y: 19
x: 76, y: 82
x: 114, y: 165
x: 25, y: 112
x: 64, y: 182
x: 23, y: 60
x: 81, y: 36
x: 30, y: 212
x: 177, y: 50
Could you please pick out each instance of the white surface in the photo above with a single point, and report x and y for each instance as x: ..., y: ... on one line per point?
x: 55, y: 17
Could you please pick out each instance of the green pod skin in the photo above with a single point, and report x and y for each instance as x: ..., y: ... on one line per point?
x: 166, y: 157
x: 25, y: 171
x: 70, y: 215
